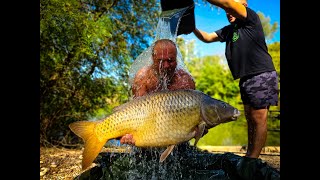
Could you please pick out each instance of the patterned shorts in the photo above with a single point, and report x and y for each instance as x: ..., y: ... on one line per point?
x: 260, y: 91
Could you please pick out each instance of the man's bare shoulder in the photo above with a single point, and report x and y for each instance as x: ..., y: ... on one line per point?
x: 182, y: 72
x: 143, y: 72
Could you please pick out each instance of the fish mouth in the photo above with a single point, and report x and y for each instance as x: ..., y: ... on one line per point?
x: 236, y: 114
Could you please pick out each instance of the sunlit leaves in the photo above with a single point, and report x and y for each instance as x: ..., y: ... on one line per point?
x: 268, y: 28
x: 86, y: 48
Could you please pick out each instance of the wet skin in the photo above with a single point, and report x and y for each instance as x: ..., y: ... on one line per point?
x: 161, y: 75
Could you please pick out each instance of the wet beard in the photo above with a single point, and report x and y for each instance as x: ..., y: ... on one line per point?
x: 165, y: 79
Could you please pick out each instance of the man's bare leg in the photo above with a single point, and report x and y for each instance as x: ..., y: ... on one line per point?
x: 257, y: 130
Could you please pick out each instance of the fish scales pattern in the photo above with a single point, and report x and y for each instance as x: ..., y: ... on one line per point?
x: 173, y: 122
x: 158, y: 120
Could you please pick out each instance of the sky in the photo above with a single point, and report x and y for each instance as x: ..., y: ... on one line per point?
x: 209, y: 20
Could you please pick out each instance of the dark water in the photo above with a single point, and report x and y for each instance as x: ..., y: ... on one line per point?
x: 186, y: 162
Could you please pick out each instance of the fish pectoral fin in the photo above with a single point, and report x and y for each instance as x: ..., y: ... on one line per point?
x: 166, y: 153
x: 199, y: 132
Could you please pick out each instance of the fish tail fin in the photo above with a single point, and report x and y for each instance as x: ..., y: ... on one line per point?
x: 92, y: 145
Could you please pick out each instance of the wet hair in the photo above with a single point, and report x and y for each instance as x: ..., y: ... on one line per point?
x: 165, y: 41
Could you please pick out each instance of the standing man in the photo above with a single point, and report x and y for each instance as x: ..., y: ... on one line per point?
x: 249, y: 60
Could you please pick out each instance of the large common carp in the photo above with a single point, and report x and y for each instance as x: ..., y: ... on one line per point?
x: 161, y: 119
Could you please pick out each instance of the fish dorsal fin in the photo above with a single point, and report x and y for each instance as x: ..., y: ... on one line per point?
x: 166, y: 153
x: 199, y: 132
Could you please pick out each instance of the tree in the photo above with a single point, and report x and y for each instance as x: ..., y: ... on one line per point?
x: 186, y: 49
x: 86, y: 48
x: 211, y: 73
x: 274, y: 51
x: 268, y: 28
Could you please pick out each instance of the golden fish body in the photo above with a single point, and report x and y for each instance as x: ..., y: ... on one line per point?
x: 159, y: 119
x: 164, y: 118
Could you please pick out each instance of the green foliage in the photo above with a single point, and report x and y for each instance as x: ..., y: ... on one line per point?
x: 211, y: 74
x: 235, y: 133
x: 86, y: 48
x: 229, y: 134
x: 186, y: 49
x: 274, y: 51
x: 268, y: 29
x: 213, y: 77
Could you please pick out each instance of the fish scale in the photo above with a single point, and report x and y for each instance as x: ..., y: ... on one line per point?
x: 142, y: 119
x: 171, y: 124
x: 161, y: 119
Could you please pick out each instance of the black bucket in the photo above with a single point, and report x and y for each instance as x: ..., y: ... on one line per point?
x: 187, y: 22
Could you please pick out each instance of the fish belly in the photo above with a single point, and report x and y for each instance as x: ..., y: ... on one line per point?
x: 170, y: 125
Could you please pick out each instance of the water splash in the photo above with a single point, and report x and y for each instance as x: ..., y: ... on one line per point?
x: 167, y: 28
x: 168, y: 24
x: 182, y: 165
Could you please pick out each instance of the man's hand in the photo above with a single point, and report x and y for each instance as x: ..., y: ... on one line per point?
x: 127, y: 139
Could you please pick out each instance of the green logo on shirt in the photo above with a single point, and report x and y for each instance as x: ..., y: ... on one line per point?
x: 235, y: 36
